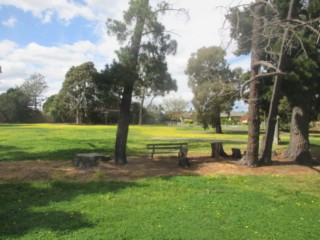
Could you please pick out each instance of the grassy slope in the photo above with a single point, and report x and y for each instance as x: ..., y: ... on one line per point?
x: 63, y: 142
x: 216, y: 207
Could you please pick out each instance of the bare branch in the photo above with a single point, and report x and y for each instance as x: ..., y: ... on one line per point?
x: 257, y: 77
x: 301, y: 43
x: 179, y: 10
x: 266, y: 64
x: 308, y: 24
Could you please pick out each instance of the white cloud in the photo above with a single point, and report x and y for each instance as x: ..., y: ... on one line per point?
x: 47, y: 17
x: 67, y: 10
x: 10, y: 22
x: 18, y: 63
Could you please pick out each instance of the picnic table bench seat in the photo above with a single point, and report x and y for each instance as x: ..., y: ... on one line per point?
x: 165, y: 148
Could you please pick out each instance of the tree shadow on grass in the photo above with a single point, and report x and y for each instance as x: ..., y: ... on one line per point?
x: 11, y: 153
x: 27, y: 207
x: 7, y: 151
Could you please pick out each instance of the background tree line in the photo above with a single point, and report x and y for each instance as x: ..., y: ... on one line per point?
x: 89, y: 96
x: 23, y: 104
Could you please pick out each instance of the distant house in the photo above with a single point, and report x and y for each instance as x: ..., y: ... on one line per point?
x: 234, y: 117
x: 231, y: 118
x: 185, y: 117
x: 244, y: 119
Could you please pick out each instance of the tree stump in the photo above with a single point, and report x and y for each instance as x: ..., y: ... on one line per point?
x: 88, y: 160
x: 236, y: 153
x: 217, y: 150
x: 183, y: 159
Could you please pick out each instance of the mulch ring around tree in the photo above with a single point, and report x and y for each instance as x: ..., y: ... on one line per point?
x: 144, y: 167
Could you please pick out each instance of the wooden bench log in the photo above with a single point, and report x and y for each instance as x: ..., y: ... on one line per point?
x: 165, y: 148
x: 184, y: 162
x: 217, y: 150
x: 236, y: 153
x: 88, y: 160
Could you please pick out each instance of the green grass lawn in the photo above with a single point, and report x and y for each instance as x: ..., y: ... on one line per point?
x: 215, y: 207
x: 184, y: 207
x: 63, y: 142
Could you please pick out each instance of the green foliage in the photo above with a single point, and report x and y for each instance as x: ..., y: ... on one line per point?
x: 150, y: 74
x: 34, y: 87
x: 51, y: 107
x: 187, y: 121
x: 156, y: 115
x: 241, y: 23
x: 285, y: 113
x: 77, y: 99
x: 213, y: 84
x: 174, y: 106
x: 227, y: 121
x: 109, y: 84
x: 185, y: 207
x: 146, y: 49
x: 14, y: 107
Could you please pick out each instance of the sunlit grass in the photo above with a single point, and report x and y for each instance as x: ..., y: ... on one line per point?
x: 63, y: 141
x: 214, y: 207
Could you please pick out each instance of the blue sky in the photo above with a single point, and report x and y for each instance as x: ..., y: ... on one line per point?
x: 23, y: 28
x: 49, y: 37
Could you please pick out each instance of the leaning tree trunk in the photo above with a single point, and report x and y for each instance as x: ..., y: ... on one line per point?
x: 124, y: 115
x: 299, y: 136
x: 252, y: 155
x: 273, y: 110
x: 120, y: 153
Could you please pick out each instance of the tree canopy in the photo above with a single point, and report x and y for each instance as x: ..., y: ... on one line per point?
x: 14, y: 106
x: 34, y: 87
x: 77, y: 98
x: 174, y: 105
x: 212, y: 84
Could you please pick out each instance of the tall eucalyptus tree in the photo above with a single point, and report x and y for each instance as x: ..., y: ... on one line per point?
x: 143, y: 38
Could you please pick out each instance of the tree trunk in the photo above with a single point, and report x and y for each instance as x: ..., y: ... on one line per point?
x: 78, y: 120
x: 35, y: 103
x: 141, y: 110
x: 218, y: 124
x: 217, y: 150
x: 276, y: 137
x: 273, y: 110
x: 251, y: 158
x: 124, y: 115
x: 299, y: 135
x: 120, y: 153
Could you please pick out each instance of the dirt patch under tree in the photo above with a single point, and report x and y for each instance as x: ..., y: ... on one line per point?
x: 144, y: 167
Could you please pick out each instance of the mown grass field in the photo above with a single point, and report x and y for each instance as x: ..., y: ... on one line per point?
x: 216, y: 207
x: 180, y: 207
x: 63, y: 142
